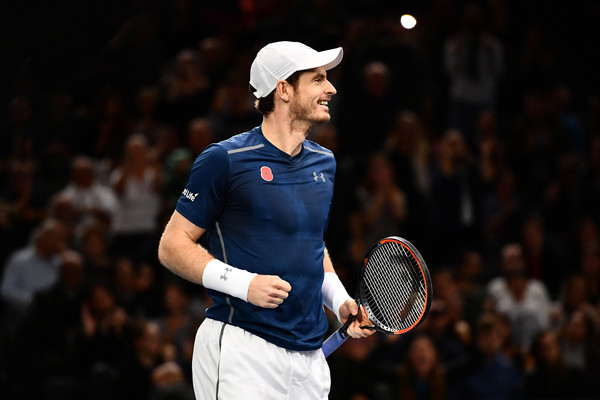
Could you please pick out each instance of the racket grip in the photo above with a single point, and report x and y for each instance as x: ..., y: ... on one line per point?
x: 334, y: 341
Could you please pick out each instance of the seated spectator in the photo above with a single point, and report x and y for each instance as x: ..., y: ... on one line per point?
x: 552, y: 377
x: 525, y: 301
x: 56, y: 312
x: 186, y: 91
x: 99, y: 345
x: 544, y: 254
x: 470, y: 283
x: 490, y: 375
x: 94, y: 247
x: 169, y: 383
x: 34, y: 267
x: 422, y: 377
x: 91, y: 199
x: 381, y: 203
x: 137, y: 182
x: 23, y: 199
x: 580, y: 345
x: 62, y: 208
x: 177, y: 322
x: 144, y: 352
x: 448, y: 337
x: 456, y: 195
x: 575, y: 297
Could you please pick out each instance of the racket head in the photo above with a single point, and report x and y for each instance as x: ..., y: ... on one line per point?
x: 394, y: 286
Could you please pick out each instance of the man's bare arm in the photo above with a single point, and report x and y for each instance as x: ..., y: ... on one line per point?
x: 179, y: 252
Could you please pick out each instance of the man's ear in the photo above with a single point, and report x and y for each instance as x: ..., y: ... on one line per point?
x: 283, y: 89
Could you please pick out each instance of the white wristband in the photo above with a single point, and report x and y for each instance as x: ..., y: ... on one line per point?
x: 227, y: 279
x: 334, y: 293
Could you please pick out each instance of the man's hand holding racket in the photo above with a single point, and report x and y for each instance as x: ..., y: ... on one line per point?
x: 348, y: 308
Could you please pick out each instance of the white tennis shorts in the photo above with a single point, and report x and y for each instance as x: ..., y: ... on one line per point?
x: 230, y: 363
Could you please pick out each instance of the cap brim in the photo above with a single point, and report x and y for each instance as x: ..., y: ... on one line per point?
x: 327, y: 58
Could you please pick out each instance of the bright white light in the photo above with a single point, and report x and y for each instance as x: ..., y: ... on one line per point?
x: 408, y: 21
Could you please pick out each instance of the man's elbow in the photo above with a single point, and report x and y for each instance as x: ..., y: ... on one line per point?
x: 164, y: 252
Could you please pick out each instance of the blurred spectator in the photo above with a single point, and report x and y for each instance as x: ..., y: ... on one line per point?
x: 62, y: 208
x: 94, y: 247
x: 474, y: 62
x: 579, y: 343
x: 544, y: 254
x: 456, y: 191
x: 446, y: 290
x: 452, y: 350
x: 22, y: 205
x: 19, y: 137
x: 147, y: 122
x: 55, y: 312
x: 99, y: 345
x: 169, y: 383
x: 178, y: 322
x: 232, y: 107
x: 422, y: 376
x: 377, y: 108
x: 133, y: 51
x: 124, y: 282
x: 502, y: 210
x: 144, y: 354
x: 62, y: 131
x: 525, y: 301
x: 552, y: 377
x: 408, y: 148
x: 34, y: 267
x: 537, y: 140
x: 574, y: 297
x: 200, y: 134
x: 470, y: 282
x: 355, y: 361
x: 564, y: 203
x: 137, y: 181
x: 186, y: 91
x: 590, y: 268
x: 561, y: 99
x: 91, y: 199
x: 111, y: 124
x: 489, y: 149
x: 491, y: 375
x: 381, y: 206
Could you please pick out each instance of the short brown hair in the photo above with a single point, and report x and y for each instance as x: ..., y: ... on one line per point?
x: 266, y: 105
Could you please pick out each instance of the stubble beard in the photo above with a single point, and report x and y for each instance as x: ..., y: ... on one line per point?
x: 301, y: 119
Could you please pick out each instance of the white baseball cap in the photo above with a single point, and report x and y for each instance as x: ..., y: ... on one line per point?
x: 279, y: 60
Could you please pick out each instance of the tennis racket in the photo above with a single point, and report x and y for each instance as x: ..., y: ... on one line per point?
x: 394, y: 288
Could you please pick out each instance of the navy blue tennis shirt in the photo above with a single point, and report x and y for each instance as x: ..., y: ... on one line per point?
x: 266, y: 212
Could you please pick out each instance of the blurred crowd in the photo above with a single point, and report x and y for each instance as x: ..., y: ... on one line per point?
x: 475, y: 135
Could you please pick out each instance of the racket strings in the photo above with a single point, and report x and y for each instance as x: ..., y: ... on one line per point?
x: 393, y: 287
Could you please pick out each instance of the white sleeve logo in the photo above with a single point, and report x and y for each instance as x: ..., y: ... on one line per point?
x: 191, y: 196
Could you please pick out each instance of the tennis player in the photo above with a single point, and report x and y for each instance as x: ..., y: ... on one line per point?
x: 263, y: 198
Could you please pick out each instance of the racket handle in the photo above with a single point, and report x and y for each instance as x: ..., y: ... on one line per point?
x: 333, y: 342
x: 337, y: 338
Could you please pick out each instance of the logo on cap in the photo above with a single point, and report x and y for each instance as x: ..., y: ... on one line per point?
x: 266, y: 173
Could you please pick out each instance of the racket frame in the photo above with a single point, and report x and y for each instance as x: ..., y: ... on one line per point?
x: 340, y: 336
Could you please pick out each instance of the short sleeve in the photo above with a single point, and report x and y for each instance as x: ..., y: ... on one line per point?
x: 204, y: 196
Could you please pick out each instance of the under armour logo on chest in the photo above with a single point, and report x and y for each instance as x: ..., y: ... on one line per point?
x: 224, y: 276
x: 317, y: 177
